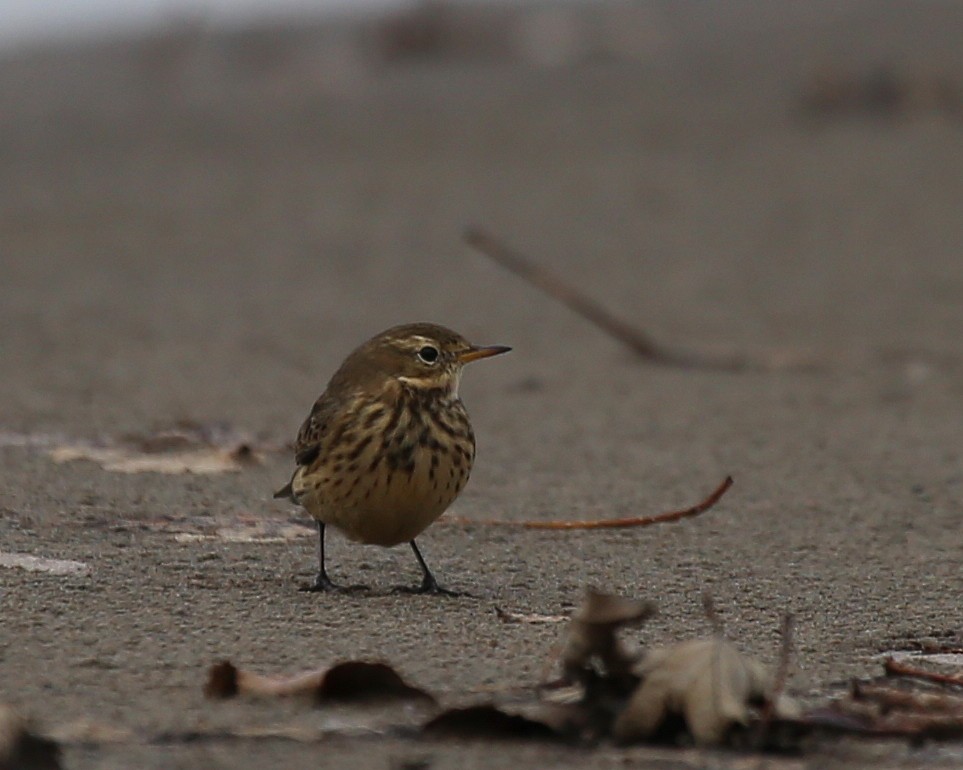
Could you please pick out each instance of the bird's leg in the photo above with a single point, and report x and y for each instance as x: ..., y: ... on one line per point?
x: 428, y: 583
x: 322, y: 582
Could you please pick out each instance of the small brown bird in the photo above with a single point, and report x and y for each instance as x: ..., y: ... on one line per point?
x: 388, y: 446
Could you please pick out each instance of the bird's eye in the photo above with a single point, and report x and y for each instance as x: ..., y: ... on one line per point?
x: 428, y: 354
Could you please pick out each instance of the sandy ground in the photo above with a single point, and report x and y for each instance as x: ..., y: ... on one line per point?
x: 178, y: 244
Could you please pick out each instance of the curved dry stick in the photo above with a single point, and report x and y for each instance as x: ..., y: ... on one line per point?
x: 635, y: 339
x: 632, y: 337
x: 639, y: 521
x: 895, y: 668
x: 780, y: 678
x: 567, y: 294
x: 898, y: 699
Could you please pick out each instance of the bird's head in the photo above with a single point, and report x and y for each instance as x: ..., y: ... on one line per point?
x: 420, y: 355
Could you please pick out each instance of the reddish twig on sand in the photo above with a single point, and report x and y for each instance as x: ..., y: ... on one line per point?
x: 639, y: 521
x: 633, y: 338
x: 894, y: 668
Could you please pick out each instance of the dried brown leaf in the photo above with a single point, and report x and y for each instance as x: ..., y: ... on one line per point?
x: 357, y: 681
x: 488, y: 722
x: 187, y: 447
x: 351, y: 681
x: 41, y: 564
x: 606, y: 609
x: 706, y: 682
x: 21, y: 748
x: 129, y: 460
x: 222, y: 680
x: 592, y: 634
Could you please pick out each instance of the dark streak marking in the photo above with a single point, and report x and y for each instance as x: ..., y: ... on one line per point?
x: 359, y: 448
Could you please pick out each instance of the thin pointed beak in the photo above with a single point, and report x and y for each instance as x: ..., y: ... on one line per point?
x: 474, y: 353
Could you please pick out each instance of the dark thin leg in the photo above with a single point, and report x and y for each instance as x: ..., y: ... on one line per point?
x: 428, y: 583
x: 322, y: 582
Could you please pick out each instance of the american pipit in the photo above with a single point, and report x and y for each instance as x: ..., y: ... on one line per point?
x: 388, y: 446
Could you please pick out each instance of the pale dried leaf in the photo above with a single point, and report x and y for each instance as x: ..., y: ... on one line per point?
x: 708, y: 682
x: 186, y: 447
x: 511, y: 616
x: 41, y: 564
x: 267, y: 531
x: 352, y: 680
x: 209, y: 460
x: 606, y: 609
x: 225, y: 680
x: 230, y: 526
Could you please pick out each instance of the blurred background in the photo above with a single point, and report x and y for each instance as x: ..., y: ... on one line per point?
x: 30, y: 21
x: 204, y: 205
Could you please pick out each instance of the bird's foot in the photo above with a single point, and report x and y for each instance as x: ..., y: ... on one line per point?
x: 429, y: 586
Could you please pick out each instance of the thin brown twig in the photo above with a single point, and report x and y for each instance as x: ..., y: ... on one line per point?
x: 894, y: 668
x: 782, y: 670
x: 568, y: 295
x: 637, y: 521
x: 868, y: 723
x: 934, y: 648
x: 632, y: 337
x: 785, y: 655
x: 919, y: 726
x: 553, y: 656
x: 712, y: 614
x: 893, y: 698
